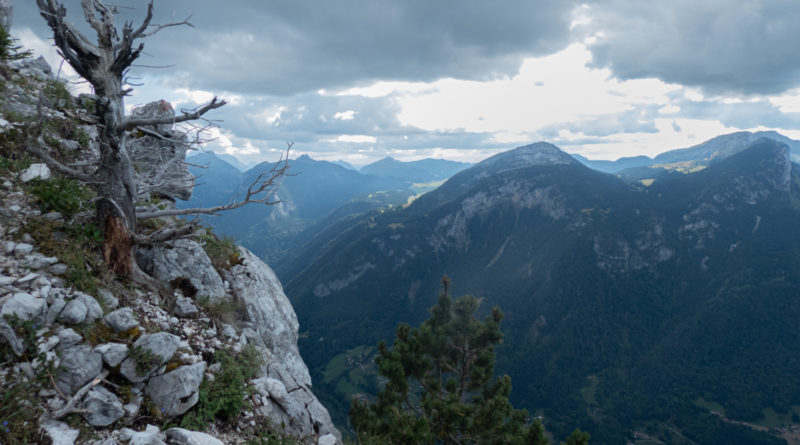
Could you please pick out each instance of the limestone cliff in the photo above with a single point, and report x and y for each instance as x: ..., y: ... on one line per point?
x: 87, y: 358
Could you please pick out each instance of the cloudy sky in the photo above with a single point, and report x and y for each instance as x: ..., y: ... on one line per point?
x: 463, y: 79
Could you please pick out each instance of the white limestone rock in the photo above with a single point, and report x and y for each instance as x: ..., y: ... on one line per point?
x: 113, y: 353
x: 74, y: 313
x: 79, y: 365
x: 35, y: 171
x: 121, y: 319
x: 59, y: 432
x: 161, y: 346
x: 186, y: 259
x: 104, y: 408
x: 274, y: 330
x: 150, y: 436
x: 25, y: 306
x: 180, y: 436
x: 176, y: 391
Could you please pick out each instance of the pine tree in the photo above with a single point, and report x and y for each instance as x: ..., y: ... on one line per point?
x: 440, y: 384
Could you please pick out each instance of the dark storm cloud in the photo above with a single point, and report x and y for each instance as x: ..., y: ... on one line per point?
x: 286, y: 47
x: 721, y: 46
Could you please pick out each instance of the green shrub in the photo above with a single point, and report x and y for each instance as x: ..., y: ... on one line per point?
x: 58, y: 92
x: 81, y: 136
x: 222, y: 251
x: 224, y: 397
x: 12, y: 156
x: 66, y: 196
x: 224, y: 311
x: 19, y: 403
x: 273, y: 438
x: 79, y: 247
x: 145, y: 359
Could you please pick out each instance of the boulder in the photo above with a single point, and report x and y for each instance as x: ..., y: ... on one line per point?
x: 104, y: 408
x: 328, y: 439
x: 121, y: 320
x: 160, y: 346
x: 22, y: 249
x: 94, y: 310
x: 176, y: 391
x: 184, y: 307
x: 150, y: 436
x: 160, y: 161
x: 155, y: 110
x: 79, y: 365
x: 26, y: 307
x: 185, y: 264
x: 109, y: 300
x: 59, y: 432
x: 10, y: 337
x: 55, y: 309
x: 180, y: 436
x: 113, y: 353
x: 68, y: 338
x: 74, y: 313
x: 36, y: 261
x: 35, y: 171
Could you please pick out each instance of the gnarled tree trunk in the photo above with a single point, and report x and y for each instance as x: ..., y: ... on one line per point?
x: 104, y: 64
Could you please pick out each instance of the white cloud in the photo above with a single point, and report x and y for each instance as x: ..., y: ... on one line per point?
x: 64, y: 71
x: 345, y: 115
x: 548, y: 90
x: 355, y: 138
x: 669, y: 109
x: 788, y: 102
x: 271, y: 116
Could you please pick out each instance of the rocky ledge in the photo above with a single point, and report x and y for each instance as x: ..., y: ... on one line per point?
x: 87, y: 358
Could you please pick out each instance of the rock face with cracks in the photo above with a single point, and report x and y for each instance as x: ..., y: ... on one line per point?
x: 271, y: 325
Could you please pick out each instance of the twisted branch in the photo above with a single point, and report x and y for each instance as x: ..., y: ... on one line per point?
x: 265, y: 182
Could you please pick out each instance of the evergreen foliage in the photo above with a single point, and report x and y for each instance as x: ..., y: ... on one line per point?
x: 440, y: 384
x: 9, y: 50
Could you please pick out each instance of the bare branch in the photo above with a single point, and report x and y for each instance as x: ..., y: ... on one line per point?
x: 125, y: 55
x: 72, y: 44
x: 81, y: 117
x: 104, y: 25
x: 158, y: 135
x: 188, y: 115
x: 59, y: 167
x: 166, y: 234
x: 145, y: 23
x: 70, y: 406
x: 185, y: 22
x: 265, y: 183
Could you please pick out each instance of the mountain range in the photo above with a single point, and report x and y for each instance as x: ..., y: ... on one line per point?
x: 697, y: 156
x: 665, y: 307
x: 421, y: 171
x: 313, y: 195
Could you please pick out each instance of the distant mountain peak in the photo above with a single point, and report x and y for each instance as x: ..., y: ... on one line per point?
x: 304, y: 158
x: 539, y: 153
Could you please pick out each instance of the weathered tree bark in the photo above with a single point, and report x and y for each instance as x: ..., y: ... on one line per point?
x: 103, y: 65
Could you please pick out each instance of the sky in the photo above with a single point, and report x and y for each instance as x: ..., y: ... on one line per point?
x: 462, y: 79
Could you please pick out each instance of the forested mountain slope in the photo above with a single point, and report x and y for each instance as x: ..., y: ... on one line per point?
x: 629, y: 308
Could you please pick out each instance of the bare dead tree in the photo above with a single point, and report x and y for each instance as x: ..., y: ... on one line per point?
x: 104, y: 64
